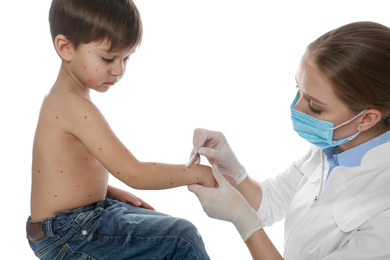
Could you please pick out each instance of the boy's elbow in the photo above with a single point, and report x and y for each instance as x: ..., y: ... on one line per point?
x: 134, y: 178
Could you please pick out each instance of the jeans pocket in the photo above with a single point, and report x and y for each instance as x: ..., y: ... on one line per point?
x: 66, y: 253
x: 86, y: 219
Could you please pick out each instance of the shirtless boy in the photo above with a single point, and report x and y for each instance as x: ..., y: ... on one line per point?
x: 74, y: 212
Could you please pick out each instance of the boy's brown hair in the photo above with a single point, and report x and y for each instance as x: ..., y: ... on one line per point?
x: 84, y: 21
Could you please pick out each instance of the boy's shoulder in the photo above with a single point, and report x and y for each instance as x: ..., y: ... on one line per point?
x: 67, y: 101
x: 66, y: 107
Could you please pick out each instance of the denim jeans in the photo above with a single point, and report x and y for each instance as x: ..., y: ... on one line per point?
x: 114, y: 230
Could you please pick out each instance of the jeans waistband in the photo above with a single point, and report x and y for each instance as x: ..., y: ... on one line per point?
x: 41, y: 229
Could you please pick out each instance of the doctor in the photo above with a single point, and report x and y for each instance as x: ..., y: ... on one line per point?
x: 336, y: 198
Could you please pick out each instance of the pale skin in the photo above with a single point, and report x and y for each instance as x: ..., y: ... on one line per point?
x: 317, y: 99
x: 75, y: 149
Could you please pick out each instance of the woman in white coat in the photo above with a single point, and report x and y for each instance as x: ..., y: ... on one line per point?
x: 336, y: 198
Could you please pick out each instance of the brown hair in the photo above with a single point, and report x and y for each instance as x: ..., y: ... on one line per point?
x: 355, y: 58
x: 84, y: 21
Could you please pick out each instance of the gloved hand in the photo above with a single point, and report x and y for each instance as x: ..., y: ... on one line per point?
x: 215, y: 147
x: 227, y: 203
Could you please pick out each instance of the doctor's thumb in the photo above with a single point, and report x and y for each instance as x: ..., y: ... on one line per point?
x: 196, y: 188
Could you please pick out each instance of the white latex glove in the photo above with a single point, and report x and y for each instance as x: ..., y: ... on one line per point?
x: 215, y: 147
x: 227, y: 203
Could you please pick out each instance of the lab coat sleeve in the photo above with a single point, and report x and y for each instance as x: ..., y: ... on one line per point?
x: 370, y: 241
x: 278, y: 192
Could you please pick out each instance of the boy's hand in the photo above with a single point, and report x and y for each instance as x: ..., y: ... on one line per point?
x: 127, y: 197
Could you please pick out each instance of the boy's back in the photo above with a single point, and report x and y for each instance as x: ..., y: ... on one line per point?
x: 66, y: 175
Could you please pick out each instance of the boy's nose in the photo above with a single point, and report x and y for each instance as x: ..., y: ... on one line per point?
x: 118, y: 70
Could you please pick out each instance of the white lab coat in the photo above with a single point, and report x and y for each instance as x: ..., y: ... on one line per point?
x: 350, y: 220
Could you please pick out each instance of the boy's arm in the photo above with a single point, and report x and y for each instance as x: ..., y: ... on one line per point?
x: 86, y: 123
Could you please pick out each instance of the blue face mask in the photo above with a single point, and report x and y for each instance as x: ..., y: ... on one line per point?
x: 317, y: 132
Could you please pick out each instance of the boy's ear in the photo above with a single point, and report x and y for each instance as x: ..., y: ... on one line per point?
x: 64, y: 47
x: 370, y: 118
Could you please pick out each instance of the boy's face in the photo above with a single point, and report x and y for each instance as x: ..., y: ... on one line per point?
x: 95, y: 68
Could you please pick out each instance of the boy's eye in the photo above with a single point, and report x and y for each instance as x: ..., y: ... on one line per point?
x: 107, y: 60
x: 126, y: 59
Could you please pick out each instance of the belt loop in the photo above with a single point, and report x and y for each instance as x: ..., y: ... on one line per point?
x: 49, y: 229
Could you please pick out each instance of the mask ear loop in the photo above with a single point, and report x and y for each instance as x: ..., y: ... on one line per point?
x: 334, y: 128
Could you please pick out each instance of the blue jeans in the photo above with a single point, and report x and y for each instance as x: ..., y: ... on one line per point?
x: 114, y: 230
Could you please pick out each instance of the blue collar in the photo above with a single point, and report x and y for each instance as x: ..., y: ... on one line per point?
x: 353, y: 156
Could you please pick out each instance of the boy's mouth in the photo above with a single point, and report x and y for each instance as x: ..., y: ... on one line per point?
x: 109, y: 83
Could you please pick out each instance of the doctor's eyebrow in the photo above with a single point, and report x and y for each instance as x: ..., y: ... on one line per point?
x: 310, y: 97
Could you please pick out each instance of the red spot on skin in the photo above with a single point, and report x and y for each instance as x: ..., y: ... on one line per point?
x: 62, y: 171
x: 85, y: 117
x: 78, y: 186
x: 197, y: 178
x: 89, y: 51
x: 69, y: 91
x: 89, y: 80
x: 184, y: 170
x: 154, y: 164
x: 171, y: 183
x: 119, y: 173
x: 121, y: 61
x: 97, y: 70
x: 108, y: 71
x: 85, y: 67
x: 93, y: 175
x: 56, y: 117
x: 89, y: 195
x: 86, y: 159
x: 100, y: 149
x: 39, y: 171
x: 55, y: 196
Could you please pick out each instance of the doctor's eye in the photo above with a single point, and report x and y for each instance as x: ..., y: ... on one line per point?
x: 315, y: 111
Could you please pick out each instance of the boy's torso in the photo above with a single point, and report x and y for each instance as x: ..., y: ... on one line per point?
x: 65, y: 174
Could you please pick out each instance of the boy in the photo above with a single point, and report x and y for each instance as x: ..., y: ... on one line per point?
x: 74, y: 213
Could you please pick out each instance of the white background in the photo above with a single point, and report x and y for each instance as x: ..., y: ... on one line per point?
x: 218, y: 64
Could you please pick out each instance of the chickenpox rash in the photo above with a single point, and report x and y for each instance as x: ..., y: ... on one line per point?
x: 100, y: 149
x: 55, y: 196
x: 154, y: 164
x: 171, y: 183
x: 184, y: 170
x: 89, y: 195
x: 86, y: 117
x: 118, y: 172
